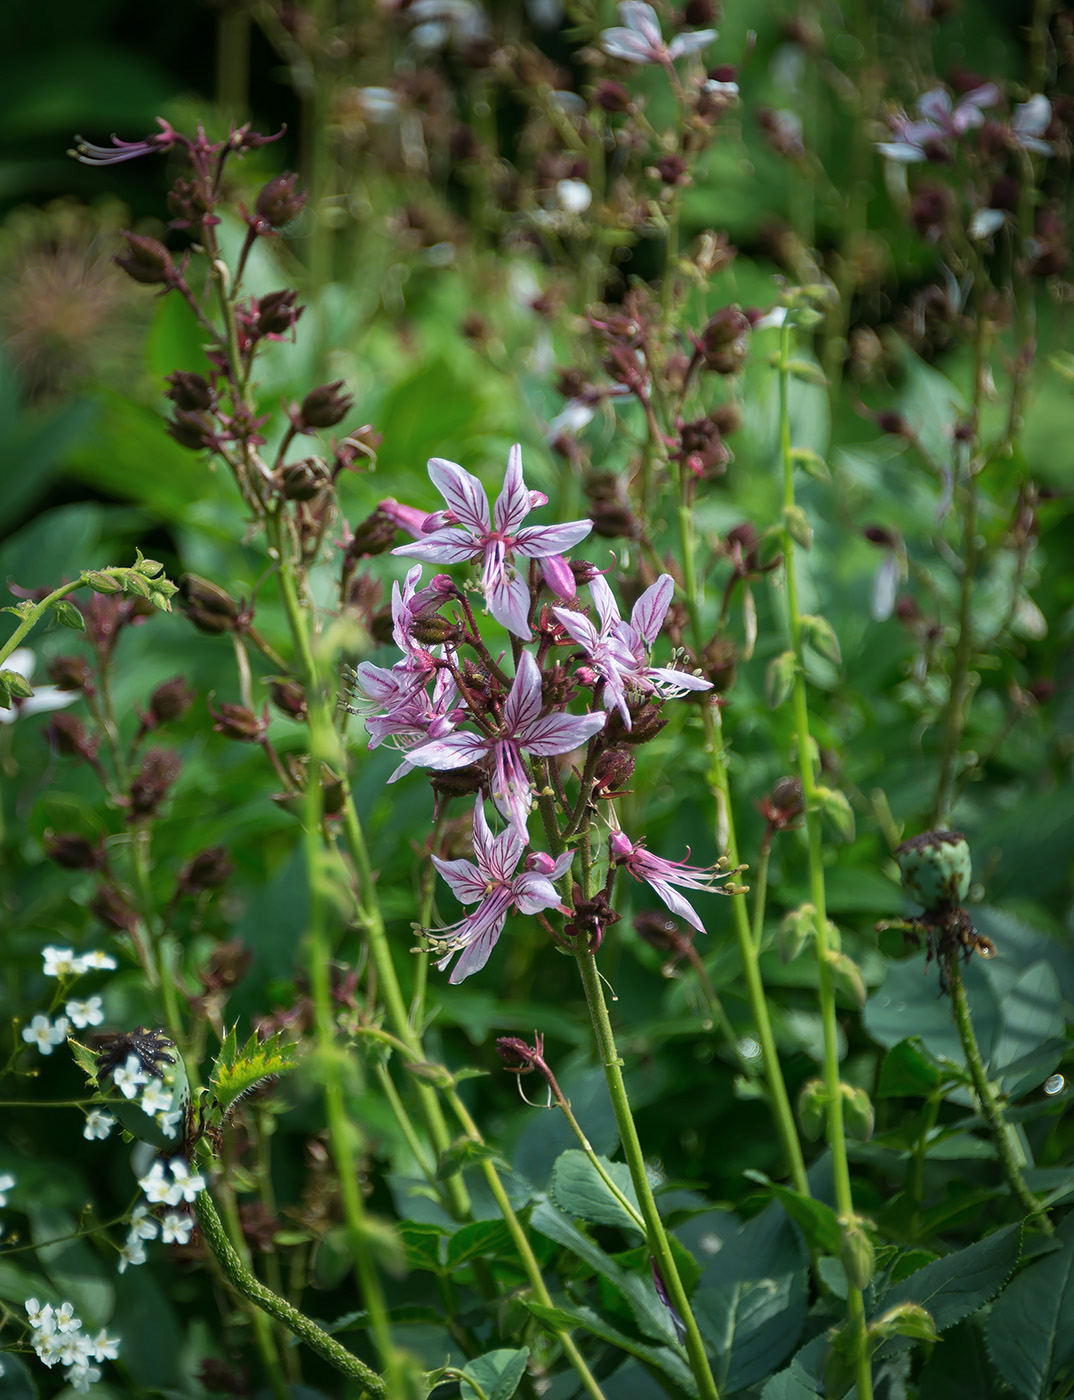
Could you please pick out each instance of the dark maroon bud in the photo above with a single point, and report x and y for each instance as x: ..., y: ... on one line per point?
x: 583, y: 570
x: 160, y: 769
x: 1042, y: 691
x: 289, y: 698
x: 68, y: 736
x: 280, y: 201
x: 208, y: 870
x: 70, y: 673
x: 894, y: 423
x: 613, y: 770
x: 657, y: 928
x: 171, y: 700
x: 964, y: 431
x: 112, y: 909
x: 930, y: 209
x: 239, y: 722
x: 458, y: 782
x: 719, y: 663
x: 208, y: 607
x: 592, y: 917
x: 228, y: 964
x: 906, y: 609
x: 612, y: 96
x: 381, y: 626
x: 723, y: 343
x: 515, y: 1053
x: 218, y: 1378
x: 475, y: 329
x: 698, y: 13
x: 191, y: 203
x: 362, y: 442
x: 672, y: 169
x: 881, y: 535
x: 193, y: 431
x: 74, y: 852
x: 189, y: 391
x: 1005, y: 194
x: 303, y: 481
x: 325, y: 406
x: 146, y: 260
x: 726, y: 418
x: 373, y: 535
x: 277, y: 313
x: 647, y: 718
x: 783, y: 806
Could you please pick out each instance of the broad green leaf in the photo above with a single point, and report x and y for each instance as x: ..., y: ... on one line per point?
x: 497, y: 1373
x: 751, y: 1326
x: 578, y: 1189
x: 421, y: 1241
x: 477, y: 1239
x: 957, y: 1285
x: 907, y: 1071
x: 960, y: 1366
x: 1031, y: 1329
x: 465, y: 1152
x: 564, y: 1318
x: 817, y: 1221
x: 235, y: 1072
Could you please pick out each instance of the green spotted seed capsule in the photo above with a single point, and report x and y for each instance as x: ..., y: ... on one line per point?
x: 936, y: 868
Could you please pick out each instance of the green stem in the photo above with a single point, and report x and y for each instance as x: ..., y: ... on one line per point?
x: 266, y: 1342
x: 844, y: 1200
x: 33, y: 615
x: 243, y: 1281
x: 1002, y: 1134
x: 655, y: 1234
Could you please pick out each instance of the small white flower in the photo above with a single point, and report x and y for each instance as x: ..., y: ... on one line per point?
x: 155, y: 1098
x: 48, y: 1346
x: 986, y: 222
x: 105, y: 1348
x: 66, y: 1319
x: 176, y: 1229
x: 99, y: 1123
x: 80, y: 1377
x: 7, y: 1181
x: 129, y: 1078
x: 574, y: 196
x: 98, y: 959
x: 188, y: 1183
x: 61, y: 962
x: 76, y: 1349
x: 132, y: 1254
x: 169, y: 1122
x: 86, y: 1013
x: 143, y: 1226
x: 158, y: 1189
x: 46, y: 1036
x: 41, y: 1318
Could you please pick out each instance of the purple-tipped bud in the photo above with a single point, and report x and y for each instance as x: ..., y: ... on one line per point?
x: 208, y: 870
x: 146, y: 260
x: 189, y: 391
x: 160, y: 769
x: 325, y: 406
x: 73, y: 852
x: 208, y: 607
x: 280, y: 201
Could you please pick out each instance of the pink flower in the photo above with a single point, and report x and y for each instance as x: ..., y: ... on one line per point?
x: 493, y: 886
x: 660, y: 875
x: 495, y: 538
x: 640, y: 40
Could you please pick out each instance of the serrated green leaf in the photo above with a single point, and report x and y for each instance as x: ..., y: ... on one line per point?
x: 22, y: 609
x: 1031, y: 1328
x: 421, y: 1241
x: 464, y: 1152
x: 85, y: 1059
x: 578, y: 1189
x: 957, y: 1285
x: 236, y: 1071
x: 817, y: 1221
x: 479, y: 1238
x: 497, y: 1373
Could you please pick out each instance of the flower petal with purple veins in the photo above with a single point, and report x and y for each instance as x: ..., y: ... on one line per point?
x: 466, y: 882
x: 508, y: 600
x: 463, y: 493
x: 524, y: 699
x: 649, y: 611
x: 556, y: 734
x: 514, y: 502
x: 452, y: 545
x: 456, y: 751
x: 538, y: 541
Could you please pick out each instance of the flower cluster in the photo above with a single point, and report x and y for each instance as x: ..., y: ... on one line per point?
x: 57, y: 1337
x: 174, y: 1227
x: 449, y: 707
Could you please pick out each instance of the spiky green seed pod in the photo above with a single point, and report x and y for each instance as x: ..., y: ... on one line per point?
x: 936, y: 868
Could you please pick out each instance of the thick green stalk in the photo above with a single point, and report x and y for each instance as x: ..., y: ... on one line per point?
x: 655, y: 1234
x: 844, y: 1200
x: 998, y: 1126
x: 244, y: 1283
x: 727, y: 841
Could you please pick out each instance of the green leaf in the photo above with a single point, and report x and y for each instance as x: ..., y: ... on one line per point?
x: 666, y: 1360
x: 67, y: 615
x: 497, y: 1373
x: 904, y: 1320
x: 807, y: 371
x: 577, y: 1188
x: 779, y: 678
x: 477, y: 1239
x: 816, y: 1220
x: 812, y: 463
x: 235, y: 1072
x: 1031, y: 1329
x: 751, y: 1325
x: 85, y: 1059
x: 464, y: 1152
x: 16, y: 685
x: 906, y: 1071
x: 957, y: 1285
x: 421, y: 1243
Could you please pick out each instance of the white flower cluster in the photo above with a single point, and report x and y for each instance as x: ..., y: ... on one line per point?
x: 156, y: 1099
x: 57, y: 1336
x: 175, y: 1227
x: 65, y: 962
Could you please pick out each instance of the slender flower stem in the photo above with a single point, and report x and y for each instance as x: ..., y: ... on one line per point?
x: 34, y: 614
x: 244, y: 1283
x: 655, y: 1234
x: 1002, y: 1134
x: 844, y: 1200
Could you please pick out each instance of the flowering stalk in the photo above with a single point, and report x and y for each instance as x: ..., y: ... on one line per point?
x: 836, y: 1133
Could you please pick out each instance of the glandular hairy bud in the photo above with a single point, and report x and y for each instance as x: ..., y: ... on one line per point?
x: 373, y: 535
x: 69, y: 736
x: 724, y: 342
x: 856, y: 1253
x: 277, y: 313
x: 325, y: 406
x: 171, y: 700
x: 192, y: 430
x: 613, y: 770
x: 239, y: 722
x: 280, y: 201
x: 858, y: 1112
x: 289, y: 698
x: 458, y: 782
x: 430, y: 629
x: 208, y: 607
x: 146, y: 260
x: 73, y: 852
x: 189, y: 391
x: 302, y: 481
x: 206, y: 871
x: 936, y: 869
x: 647, y: 718
x: 812, y: 1105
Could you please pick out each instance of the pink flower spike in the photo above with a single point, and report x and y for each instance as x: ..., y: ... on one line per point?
x: 661, y: 875
x: 494, y: 887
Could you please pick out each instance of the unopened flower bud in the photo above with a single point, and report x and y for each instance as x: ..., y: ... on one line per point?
x: 458, y: 782
x: 289, y: 698
x: 206, y: 871
x: 189, y: 391
x: 239, y: 722
x: 647, y: 719
x: 280, y: 201
x: 208, y: 607
x: 612, y: 96
x: 302, y: 481
x: 812, y: 1107
x: 68, y: 736
x: 228, y: 964
x: 191, y: 430
x: 613, y: 770
x: 146, y: 260
x: 276, y: 313
x: 430, y: 629
x: 373, y: 535
x: 160, y: 769
x: 723, y: 343
x: 69, y: 673
x: 515, y: 1053
x: 325, y: 406
x: 171, y: 700
x: 73, y: 852
x: 112, y: 908
x: 936, y: 868
x: 856, y: 1254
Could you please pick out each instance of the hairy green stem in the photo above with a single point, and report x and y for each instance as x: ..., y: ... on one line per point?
x: 1002, y: 1134
x: 836, y: 1133
x: 243, y: 1281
